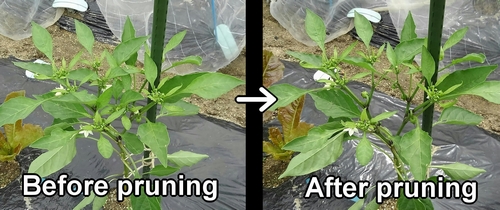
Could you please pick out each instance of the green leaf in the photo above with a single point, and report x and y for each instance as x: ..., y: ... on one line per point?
x: 414, y: 203
x: 460, y: 171
x: 53, y: 160
x: 116, y: 72
x: 126, y: 123
x: 348, y: 50
x: 360, y: 75
x: 126, y: 49
x: 37, y: 68
x: 84, y: 36
x: 335, y: 103
x: 358, y: 205
x: 82, y: 75
x: 363, y: 27
x: 315, y: 138
x: 428, y: 65
x: 110, y: 59
x: 17, y: 108
x: 104, y: 147
x: 488, y: 90
x: 104, y: 98
x: 315, y: 28
x: 115, y: 115
x: 155, y: 135
x: 383, y: 116
x: 475, y: 57
x: 130, y: 96
x: 128, y: 30
x: 313, y: 160
x: 42, y: 40
x: 186, y: 158
x: 82, y: 97
x: 469, y: 78
x: 408, y: 31
x: 179, y: 108
x: 162, y: 171
x: 455, y: 38
x: 364, y: 115
x: 150, y: 69
x: 85, y: 202
x: 145, y: 202
x: 99, y: 202
x: 286, y: 94
x: 407, y: 50
x: 132, y: 143
x: 174, y: 41
x: 373, y: 205
x: 415, y: 150
x: 364, y: 151
x: 57, y: 138
x: 195, y: 60
x: 458, y: 116
x: 360, y: 62
x: 65, y: 110
x: 391, y: 55
x: 208, y: 85
x: 309, y: 60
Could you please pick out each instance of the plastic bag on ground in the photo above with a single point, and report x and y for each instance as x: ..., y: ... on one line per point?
x: 195, y: 17
x: 291, y: 15
x: 16, y: 16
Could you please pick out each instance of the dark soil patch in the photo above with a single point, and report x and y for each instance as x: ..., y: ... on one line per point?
x: 9, y: 172
x: 271, y: 170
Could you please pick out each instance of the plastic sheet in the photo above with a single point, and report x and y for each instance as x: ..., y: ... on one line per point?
x: 16, y: 16
x: 465, y: 144
x: 223, y: 141
x: 199, y: 18
x: 291, y: 15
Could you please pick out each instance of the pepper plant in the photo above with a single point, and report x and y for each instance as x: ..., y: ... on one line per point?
x: 80, y: 114
x: 349, y: 115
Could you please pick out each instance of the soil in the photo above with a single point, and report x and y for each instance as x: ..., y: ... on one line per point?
x: 11, y: 170
x: 272, y: 170
x: 113, y: 204
x: 278, y: 40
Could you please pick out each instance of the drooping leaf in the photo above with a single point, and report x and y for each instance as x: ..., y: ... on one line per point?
x: 469, y: 78
x: 364, y: 151
x: 428, y: 64
x: 57, y: 138
x: 65, y: 110
x: 272, y: 69
x: 391, y: 55
x: 53, y: 160
x: 458, y: 116
x: 179, y: 108
x: 104, y: 147
x: 335, y: 103
x: 313, y: 160
x: 415, y: 150
x: 185, y: 158
x: 16, y: 109
x: 132, y: 143
x: 155, y: 135
x: 150, y: 69
x: 37, y: 68
x: 316, y: 137
x: 126, y: 122
x: 488, y: 90
x: 460, y: 171
x: 286, y: 94
x: 475, y: 57
x: 192, y: 59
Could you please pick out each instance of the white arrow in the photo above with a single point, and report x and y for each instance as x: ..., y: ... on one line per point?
x: 270, y: 99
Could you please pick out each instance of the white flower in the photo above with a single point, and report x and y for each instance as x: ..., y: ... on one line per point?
x: 58, y: 93
x: 86, y: 133
x: 136, y: 112
x: 105, y: 88
x: 60, y: 87
x: 351, y: 131
x: 59, y: 90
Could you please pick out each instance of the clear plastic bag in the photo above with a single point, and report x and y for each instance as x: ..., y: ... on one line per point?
x: 291, y: 15
x: 16, y: 16
x: 196, y: 17
x: 482, y: 17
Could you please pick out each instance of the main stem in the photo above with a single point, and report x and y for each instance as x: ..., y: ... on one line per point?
x: 157, y: 44
x: 436, y: 16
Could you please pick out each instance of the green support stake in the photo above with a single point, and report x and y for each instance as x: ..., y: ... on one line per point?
x: 436, y: 17
x: 157, y: 45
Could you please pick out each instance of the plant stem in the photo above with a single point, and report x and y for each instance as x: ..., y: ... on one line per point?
x: 436, y: 17
x: 396, y: 159
x: 160, y: 10
x: 353, y: 96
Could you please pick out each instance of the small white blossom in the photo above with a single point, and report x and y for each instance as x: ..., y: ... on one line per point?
x: 107, y: 87
x: 86, y: 133
x: 58, y: 93
x: 351, y: 131
x: 59, y: 90
x: 136, y: 112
